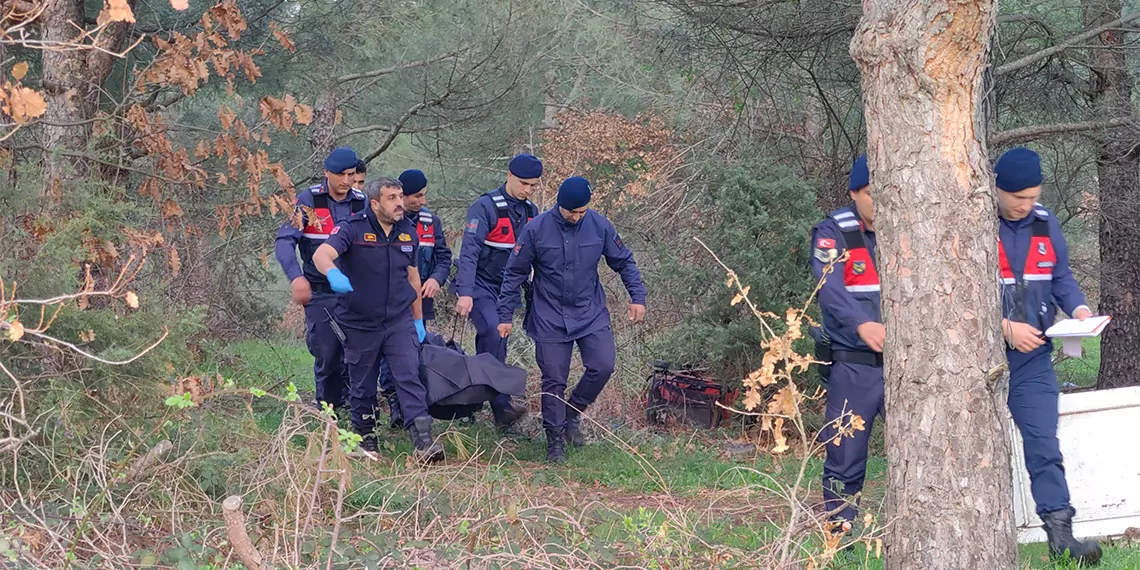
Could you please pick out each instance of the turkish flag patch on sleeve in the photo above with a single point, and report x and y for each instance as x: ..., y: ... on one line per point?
x: 825, y: 243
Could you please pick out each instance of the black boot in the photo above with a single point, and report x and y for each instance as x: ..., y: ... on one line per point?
x: 1059, y: 529
x: 573, y: 432
x: 369, y: 444
x: 427, y: 449
x: 511, y: 416
x: 555, y: 446
x: 394, y: 410
x: 367, y: 449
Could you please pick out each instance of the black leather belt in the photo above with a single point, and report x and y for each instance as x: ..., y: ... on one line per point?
x: 858, y: 357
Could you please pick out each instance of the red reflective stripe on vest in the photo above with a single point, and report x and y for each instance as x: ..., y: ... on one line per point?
x: 1039, y: 262
x: 321, y: 226
x: 426, y: 235
x: 1042, y: 258
x: 1003, y: 263
x: 502, y: 236
x: 859, y: 272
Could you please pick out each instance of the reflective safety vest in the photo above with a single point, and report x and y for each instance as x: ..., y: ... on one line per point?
x: 1039, y: 261
x: 320, y: 224
x: 1027, y: 295
x: 425, y: 255
x: 502, y: 236
x: 424, y: 229
x: 859, y: 275
x: 860, y: 279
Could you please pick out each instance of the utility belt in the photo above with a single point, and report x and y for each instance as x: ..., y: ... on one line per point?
x: 858, y: 357
x: 825, y: 353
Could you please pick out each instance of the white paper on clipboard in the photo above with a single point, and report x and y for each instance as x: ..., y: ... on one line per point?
x: 1073, y: 331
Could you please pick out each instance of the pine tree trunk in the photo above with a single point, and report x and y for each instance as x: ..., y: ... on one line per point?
x: 1118, y: 166
x: 949, y: 491
x: 73, y: 81
x: 322, y: 138
x: 64, y: 85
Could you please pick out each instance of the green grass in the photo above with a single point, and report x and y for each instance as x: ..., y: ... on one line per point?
x: 1116, y: 557
x: 261, y: 363
x: 623, y: 470
x: 1080, y: 371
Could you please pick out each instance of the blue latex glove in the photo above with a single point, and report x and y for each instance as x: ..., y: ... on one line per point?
x: 420, y: 330
x: 338, y: 281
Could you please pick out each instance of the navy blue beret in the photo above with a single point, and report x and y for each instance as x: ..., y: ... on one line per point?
x: 526, y: 166
x: 860, y: 176
x: 413, y: 181
x: 340, y: 160
x: 574, y: 193
x: 1019, y: 168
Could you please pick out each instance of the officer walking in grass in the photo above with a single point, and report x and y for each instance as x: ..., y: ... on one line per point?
x: 563, y: 246
x: 433, y: 260
x: 319, y: 209
x: 379, y: 310
x: 493, y: 222
x: 849, y: 301
x: 1035, y: 278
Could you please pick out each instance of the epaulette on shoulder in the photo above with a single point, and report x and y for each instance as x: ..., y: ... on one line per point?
x: 845, y: 219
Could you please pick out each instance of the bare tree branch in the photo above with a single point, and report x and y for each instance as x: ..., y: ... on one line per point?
x: 399, y: 67
x: 1067, y: 44
x: 1033, y: 132
x: 53, y: 340
x: 374, y: 128
x: 399, y: 126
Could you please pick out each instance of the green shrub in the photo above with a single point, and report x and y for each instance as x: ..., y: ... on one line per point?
x: 757, y: 220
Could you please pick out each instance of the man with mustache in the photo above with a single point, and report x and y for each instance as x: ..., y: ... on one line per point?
x: 380, y: 312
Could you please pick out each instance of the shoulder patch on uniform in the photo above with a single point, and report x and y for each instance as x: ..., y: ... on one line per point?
x: 825, y: 255
x: 405, y: 237
x: 825, y: 243
x: 472, y: 225
x: 369, y: 237
x: 334, y: 231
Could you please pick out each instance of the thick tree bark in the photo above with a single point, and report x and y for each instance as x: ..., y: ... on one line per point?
x: 322, y: 137
x: 73, y: 81
x: 949, y: 491
x: 64, y: 87
x: 1118, y: 168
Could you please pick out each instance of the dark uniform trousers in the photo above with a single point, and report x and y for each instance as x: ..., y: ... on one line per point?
x: 851, y: 389
x: 598, y: 355
x: 396, y: 342
x: 1032, y: 400
x: 328, y: 352
x: 485, y: 317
